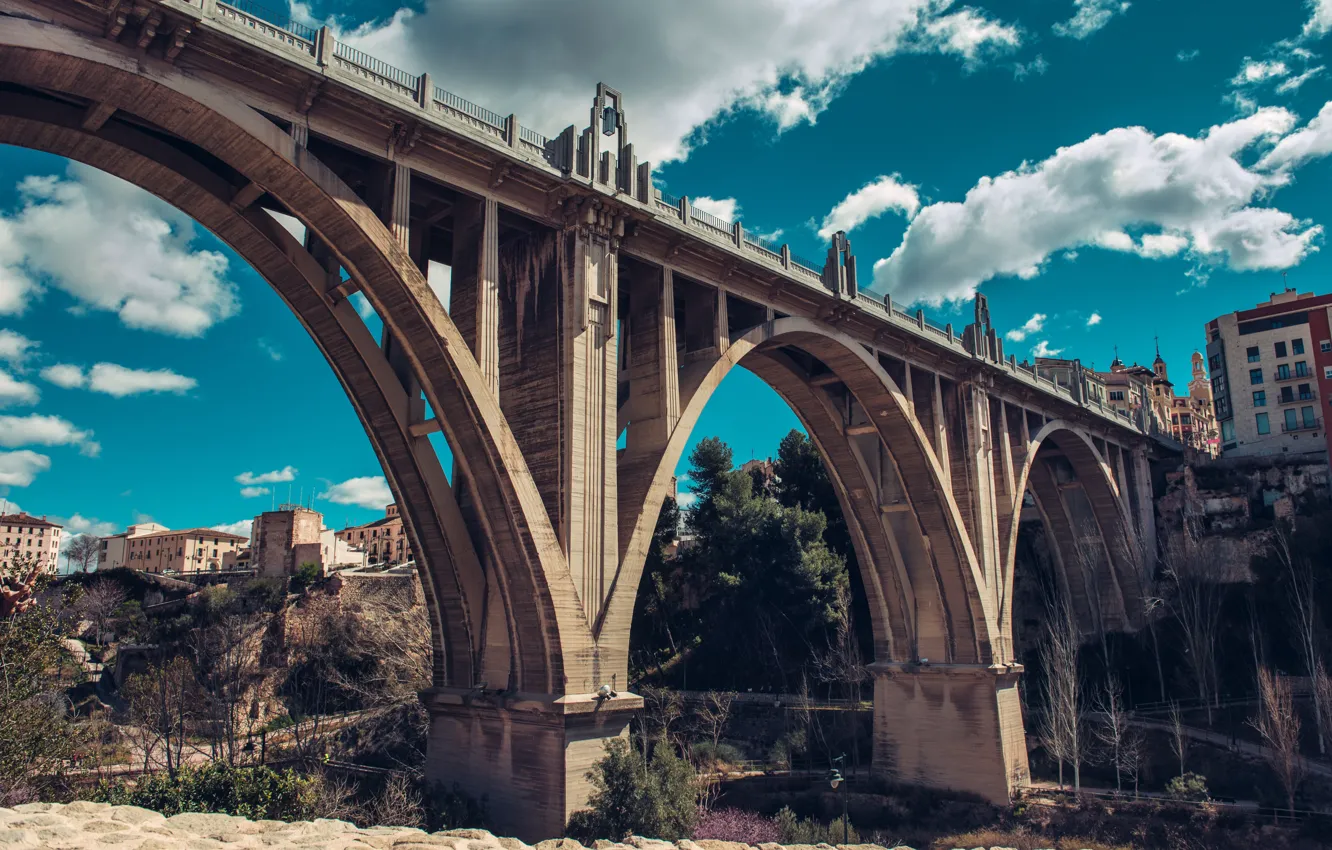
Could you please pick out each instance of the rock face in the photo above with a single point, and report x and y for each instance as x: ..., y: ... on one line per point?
x: 85, y: 826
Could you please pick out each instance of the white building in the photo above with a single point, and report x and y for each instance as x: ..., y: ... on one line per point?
x: 22, y: 535
x: 115, y: 549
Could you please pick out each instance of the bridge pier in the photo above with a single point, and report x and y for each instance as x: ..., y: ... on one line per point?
x: 950, y: 726
x: 525, y: 758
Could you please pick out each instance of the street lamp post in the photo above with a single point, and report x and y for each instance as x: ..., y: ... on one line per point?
x: 836, y: 780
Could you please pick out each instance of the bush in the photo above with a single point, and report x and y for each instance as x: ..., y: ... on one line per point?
x: 809, y: 831
x: 1190, y: 786
x: 721, y: 756
x: 737, y: 825
x: 634, y: 796
x: 258, y: 793
x: 305, y: 577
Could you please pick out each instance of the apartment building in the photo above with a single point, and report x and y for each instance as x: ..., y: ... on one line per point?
x: 115, y: 551
x: 1271, y: 370
x: 23, y: 536
x: 383, y: 541
x: 190, y: 550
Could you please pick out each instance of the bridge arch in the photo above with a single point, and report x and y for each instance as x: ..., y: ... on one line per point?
x: 1085, y: 514
x: 140, y: 119
x: 926, y: 594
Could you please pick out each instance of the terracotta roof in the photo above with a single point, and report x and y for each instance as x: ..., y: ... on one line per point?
x: 27, y: 519
x: 194, y: 532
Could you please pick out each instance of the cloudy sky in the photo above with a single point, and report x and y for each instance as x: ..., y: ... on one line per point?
x: 1106, y: 172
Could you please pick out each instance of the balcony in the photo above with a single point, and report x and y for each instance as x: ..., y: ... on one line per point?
x: 1306, y: 375
x: 1287, y: 428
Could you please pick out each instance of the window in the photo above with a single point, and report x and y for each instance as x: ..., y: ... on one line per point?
x: 1325, y: 346
x: 1255, y: 376
x: 1118, y: 395
x: 1327, y: 373
x: 1280, y: 349
x: 1297, y: 346
x: 1283, y: 372
x: 1260, y: 419
x: 1301, y: 369
x: 1214, y: 362
x: 1307, y: 414
x: 1292, y: 422
x: 1306, y: 394
x: 1287, y: 395
x: 1254, y: 356
x: 1259, y: 398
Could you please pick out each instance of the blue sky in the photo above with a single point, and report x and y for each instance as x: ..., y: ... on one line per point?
x: 1105, y: 172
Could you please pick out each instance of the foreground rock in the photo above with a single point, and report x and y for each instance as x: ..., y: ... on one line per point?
x: 84, y: 826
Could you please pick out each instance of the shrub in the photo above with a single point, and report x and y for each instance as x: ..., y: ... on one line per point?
x: 305, y: 577
x: 737, y: 825
x: 1190, y: 786
x: 794, y: 830
x: 716, y: 757
x: 634, y: 796
x: 258, y: 793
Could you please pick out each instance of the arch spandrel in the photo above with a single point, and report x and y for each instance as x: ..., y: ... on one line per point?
x: 51, y: 58
x: 949, y: 571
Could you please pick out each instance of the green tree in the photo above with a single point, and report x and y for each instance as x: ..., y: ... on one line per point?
x: 631, y: 795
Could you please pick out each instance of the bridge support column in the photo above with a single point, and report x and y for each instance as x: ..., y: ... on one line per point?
x: 957, y: 727
x: 525, y: 758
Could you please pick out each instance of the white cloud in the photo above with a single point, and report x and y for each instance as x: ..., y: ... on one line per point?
x: 726, y: 209
x: 252, y: 492
x: 1093, y: 320
x: 116, y: 380
x: 681, y: 65
x: 1187, y: 193
x: 16, y: 392
x: 286, y: 473
x: 968, y: 34
x: 1320, y: 19
x: 1254, y: 72
x: 1294, y: 83
x: 1312, y: 141
x: 79, y: 524
x: 1043, y: 349
x: 113, y: 247
x: 362, y: 305
x: 870, y: 201
x: 370, y: 492
x: 14, y: 347
x: 1089, y: 16
x: 1187, y: 55
x: 268, y: 348
x: 1036, y: 66
x: 36, y: 429
x: 241, y: 527
x: 18, y: 469
x: 65, y: 375
x: 1033, y: 325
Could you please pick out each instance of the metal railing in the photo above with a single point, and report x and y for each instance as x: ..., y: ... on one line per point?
x: 709, y: 219
x: 281, y: 20
x: 1302, y: 425
x: 809, y: 265
x: 378, y: 67
x: 480, y: 113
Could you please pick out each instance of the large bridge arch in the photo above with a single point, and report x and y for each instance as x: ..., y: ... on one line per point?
x: 139, y: 118
x: 1097, y: 553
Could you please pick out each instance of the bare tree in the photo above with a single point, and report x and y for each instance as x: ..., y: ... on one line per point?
x: 1279, y: 725
x: 714, y: 714
x: 843, y: 667
x: 662, y: 709
x: 1112, y: 729
x: 1198, y: 569
x: 1134, y: 549
x: 226, y: 660
x: 161, y: 702
x: 84, y: 550
x: 1179, y: 742
x: 1304, y: 620
x: 1060, y: 731
x: 99, y: 602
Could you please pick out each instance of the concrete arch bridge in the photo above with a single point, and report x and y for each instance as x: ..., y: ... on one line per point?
x: 584, y: 305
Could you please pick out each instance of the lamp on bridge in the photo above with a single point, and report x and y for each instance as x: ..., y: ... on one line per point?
x: 836, y: 780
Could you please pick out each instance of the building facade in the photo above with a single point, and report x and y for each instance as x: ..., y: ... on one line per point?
x: 1271, y: 369
x: 1193, y: 416
x: 23, y: 536
x: 190, y: 550
x: 115, y: 551
x: 382, y: 541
